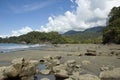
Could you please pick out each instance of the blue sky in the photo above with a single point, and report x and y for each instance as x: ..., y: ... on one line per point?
x: 21, y: 16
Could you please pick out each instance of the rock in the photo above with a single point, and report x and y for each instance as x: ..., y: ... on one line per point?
x: 69, y: 54
x: 88, y: 77
x: 61, y: 74
x: 78, y: 66
x: 90, y: 52
x: 2, y: 74
x: 20, y: 70
x: 29, y: 70
x: 55, y: 62
x: 11, y: 71
x: 18, y: 61
x: 44, y: 79
x: 34, y: 62
x: 110, y: 74
x: 75, y: 75
x: 68, y: 79
x: 58, y: 68
x: 86, y: 62
x: 47, y: 58
x: 106, y: 68
x: 45, y: 72
x: 42, y: 61
x: 70, y: 62
x: 57, y: 57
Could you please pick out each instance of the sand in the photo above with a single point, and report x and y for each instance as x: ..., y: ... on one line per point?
x: 72, y: 51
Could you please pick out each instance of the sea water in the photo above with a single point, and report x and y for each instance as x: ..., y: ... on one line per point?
x: 9, y: 47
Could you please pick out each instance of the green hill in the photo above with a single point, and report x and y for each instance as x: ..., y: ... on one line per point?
x: 91, y: 35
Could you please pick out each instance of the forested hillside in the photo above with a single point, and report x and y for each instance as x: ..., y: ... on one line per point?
x: 111, y: 33
x: 37, y: 37
x: 91, y: 35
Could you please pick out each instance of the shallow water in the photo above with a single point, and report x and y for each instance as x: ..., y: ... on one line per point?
x: 10, y: 47
x: 40, y: 76
x: 4, y: 63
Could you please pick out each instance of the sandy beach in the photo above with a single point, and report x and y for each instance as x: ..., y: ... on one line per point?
x: 107, y: 55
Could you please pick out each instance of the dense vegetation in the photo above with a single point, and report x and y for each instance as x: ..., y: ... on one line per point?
x: 37, y: 37
x: 91, y: 35
x: 111, y: 34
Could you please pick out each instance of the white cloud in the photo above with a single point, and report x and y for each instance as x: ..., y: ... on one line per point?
x: 89, y: 13
x: 4, y: 36
x: 24, y: 30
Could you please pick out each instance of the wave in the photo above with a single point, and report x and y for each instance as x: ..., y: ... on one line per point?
x: 8, y: 47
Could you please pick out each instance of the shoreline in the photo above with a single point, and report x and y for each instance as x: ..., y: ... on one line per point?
x: 71, y: 52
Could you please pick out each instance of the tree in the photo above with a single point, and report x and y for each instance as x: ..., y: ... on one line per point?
x: 111, y: 33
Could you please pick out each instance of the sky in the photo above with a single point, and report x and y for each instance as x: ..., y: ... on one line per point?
x: 19, y: 17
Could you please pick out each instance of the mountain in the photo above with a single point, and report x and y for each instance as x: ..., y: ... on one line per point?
x: 94, y: 29
x: 89, y: 30
x: 71, y: 32
x: 90, y: 35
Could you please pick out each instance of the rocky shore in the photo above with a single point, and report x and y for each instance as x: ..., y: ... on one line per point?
x: 65, y: 62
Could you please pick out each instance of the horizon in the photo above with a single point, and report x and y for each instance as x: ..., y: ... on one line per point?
x: 20, y: 17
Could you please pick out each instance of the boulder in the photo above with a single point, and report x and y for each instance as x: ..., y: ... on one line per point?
x: 34, y: 62
x: 42, y: 61
x: 90, y: 52
x: 88, y: 77
x: 70, y: 63
x: 62, y: 74
x: 2, y: 74
x: 44, y: 79
x: 68, y: 79
x: 106, y: 68
x: 59, y: 67
x: 47, y: 58
x: 11, y: 71
x: 57, y: 57
x: 55, y: 62
x: 18, y: 61
x: 45, y: 72
x: 110, y: 74
x: 86, y: 62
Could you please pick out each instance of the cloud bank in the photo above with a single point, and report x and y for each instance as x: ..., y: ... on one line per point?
x: 88, y: 13
x: 23, y: 30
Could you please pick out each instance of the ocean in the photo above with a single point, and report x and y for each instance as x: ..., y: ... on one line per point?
x: 11, y: 47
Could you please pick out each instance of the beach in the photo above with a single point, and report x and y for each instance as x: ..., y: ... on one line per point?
x: 105, y: 55
x: 70, y: 51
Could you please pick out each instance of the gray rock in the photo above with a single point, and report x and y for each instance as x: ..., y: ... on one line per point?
x: 62, y: 74
x: 45, y: 72
x: 55, y: 62
x: 44, y: 79
x: 11, y: 71
x: 86, y: 62
x: 57, y: 57
x: 68, y: 79
x: 58, y: 68
x: 47, y: 58
x: 34, y: 62
x: 2, y: 74
x: 110, y: 74
x: 88, y: 77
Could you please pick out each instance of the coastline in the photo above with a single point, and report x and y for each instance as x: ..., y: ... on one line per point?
x: 71, y: 52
